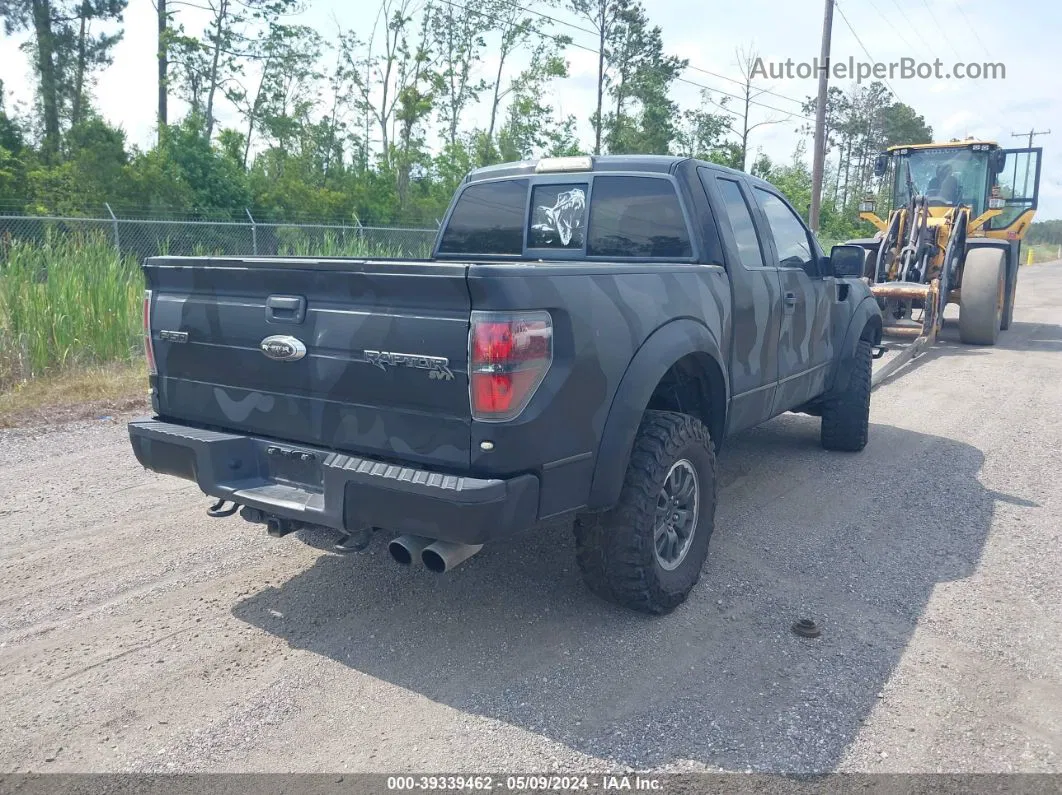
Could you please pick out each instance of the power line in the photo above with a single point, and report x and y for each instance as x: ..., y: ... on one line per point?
x: 911, y: 25
x: 745, y: 82
x: 973, y: 30
x: 889, y: 23
x: 742, y: 83
x: 570, y: 43
x: 861, y: 44
x: 554, y: 20
x: 940, y: 27
x: 691, y: 67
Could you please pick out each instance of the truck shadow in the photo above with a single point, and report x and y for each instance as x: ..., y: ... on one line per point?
x: 514, y: 636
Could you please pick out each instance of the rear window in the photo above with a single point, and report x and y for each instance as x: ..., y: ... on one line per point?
x: 636, y: 217
x: 488, y: 219
x: 558, y: 214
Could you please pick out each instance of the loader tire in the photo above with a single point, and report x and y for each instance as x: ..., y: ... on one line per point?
x: 623, y: 554
x: 846, y: 415
x: 982, y: 297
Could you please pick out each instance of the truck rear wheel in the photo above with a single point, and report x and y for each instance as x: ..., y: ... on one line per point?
x: 647, y: 552
x: 981, y: 301
x: 846, y: 415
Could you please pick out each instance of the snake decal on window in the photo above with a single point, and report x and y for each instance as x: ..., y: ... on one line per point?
x: 563, y: 219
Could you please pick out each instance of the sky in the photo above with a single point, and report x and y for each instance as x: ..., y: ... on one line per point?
x: 1023, y: 35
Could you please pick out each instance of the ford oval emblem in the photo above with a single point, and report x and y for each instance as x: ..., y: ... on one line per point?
x: 283, y: 348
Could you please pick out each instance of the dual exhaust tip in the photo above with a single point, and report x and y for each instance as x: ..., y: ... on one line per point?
x: 437, y: 556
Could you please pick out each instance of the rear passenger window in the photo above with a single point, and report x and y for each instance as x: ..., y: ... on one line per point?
x: 790, y: 236
x: 636, y: 217
x: 737, y: 210
x: 488, y: 219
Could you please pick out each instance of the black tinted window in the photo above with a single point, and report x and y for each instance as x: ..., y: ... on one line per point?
x: 741, y: 222
x: 636, y: 217
x: 488, y: 219
x: 790, y: 236
x: 558, y: 216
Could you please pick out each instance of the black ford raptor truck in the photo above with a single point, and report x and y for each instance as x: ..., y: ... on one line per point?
x: 583, y: 339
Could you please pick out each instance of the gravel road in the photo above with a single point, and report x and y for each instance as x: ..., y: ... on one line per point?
x: 136, y: 634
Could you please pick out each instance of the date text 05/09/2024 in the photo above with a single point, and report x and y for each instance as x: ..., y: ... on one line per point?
x: 540, y: 783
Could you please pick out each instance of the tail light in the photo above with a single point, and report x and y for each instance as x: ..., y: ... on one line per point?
x: 509, y: 355
x: 149, y: 348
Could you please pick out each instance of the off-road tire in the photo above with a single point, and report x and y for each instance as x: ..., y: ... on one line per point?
x: 980, y: 308
x: 616, y: 549
x: 846, y: 415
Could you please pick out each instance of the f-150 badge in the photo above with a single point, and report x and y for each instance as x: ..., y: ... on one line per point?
x: 438, y: 367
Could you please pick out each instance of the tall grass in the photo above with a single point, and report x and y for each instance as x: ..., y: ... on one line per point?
x: 295, y: 243
x: 1042, y: 252
x: 69, y: 301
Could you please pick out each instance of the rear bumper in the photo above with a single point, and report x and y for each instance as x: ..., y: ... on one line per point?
x: 316, y: 486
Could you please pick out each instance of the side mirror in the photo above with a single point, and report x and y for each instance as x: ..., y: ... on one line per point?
x: 848, y: 260
x: 881, y: 163
x: 999, y: 161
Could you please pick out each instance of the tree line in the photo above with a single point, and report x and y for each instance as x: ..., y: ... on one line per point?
x: 1047, y: 232
x: 381, y: 124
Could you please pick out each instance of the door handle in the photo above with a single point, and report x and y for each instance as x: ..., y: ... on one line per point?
x: 285, y: 309
x: 790, y: 301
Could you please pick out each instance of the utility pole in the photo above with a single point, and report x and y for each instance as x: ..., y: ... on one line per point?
x: 820, y: 119
x: 164, y: 62
x: 1031, y: 134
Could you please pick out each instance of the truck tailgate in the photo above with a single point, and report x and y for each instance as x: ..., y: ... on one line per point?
x: 384, y: 367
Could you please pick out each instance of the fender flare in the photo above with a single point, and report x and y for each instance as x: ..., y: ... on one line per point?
x: 986, y: 242
x: 653, y: 359
x: 1003, y: 245
x: 866, y: 312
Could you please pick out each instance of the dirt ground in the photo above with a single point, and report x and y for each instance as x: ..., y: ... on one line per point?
x: 137, y: 634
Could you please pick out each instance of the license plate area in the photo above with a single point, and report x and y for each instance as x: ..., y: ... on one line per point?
x: 293, y: 466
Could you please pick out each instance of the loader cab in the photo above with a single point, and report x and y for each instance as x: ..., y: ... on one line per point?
x: 946, y: 175
x: 978, y: 174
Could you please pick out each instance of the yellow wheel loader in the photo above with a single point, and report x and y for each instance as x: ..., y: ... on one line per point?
x: 957, y: 216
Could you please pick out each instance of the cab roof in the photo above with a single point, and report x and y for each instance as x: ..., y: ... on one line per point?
x: 660, y: 164
x: 648, y: 163
x: 946, y: 145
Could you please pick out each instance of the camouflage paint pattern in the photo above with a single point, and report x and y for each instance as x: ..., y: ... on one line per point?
x: 806, y: 343
x: 335, y: 396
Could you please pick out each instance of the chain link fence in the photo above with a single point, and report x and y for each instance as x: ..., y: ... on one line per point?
x: 142, y: 238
